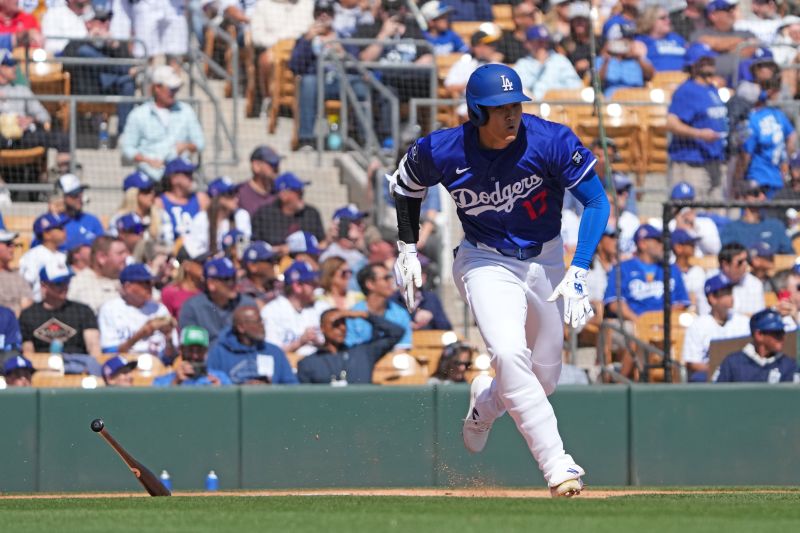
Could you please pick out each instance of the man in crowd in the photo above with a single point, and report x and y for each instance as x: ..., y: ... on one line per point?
x: 179, y: 200
x: 191, y: 370
x: 444, y: 40
x: 18, y: 372
x: 259, y: 281
x: 117, y: 372
x: 10, y: 335
x: 81, y: 226
x: 690, y: 220
x: 752, y: 228
x: 289, y: 213
x: 483, y: 49
x: 377, y: 284
x: 245, y: 357
x: 721, y: 36
x: 694, y: 277
x: 99, y: 283
x: 49, y: 230
x: 544, y: 68
x: 66, y: 21
x: 257, y: 192
x: 627, y: 222
x: 15, y: 293
x: 130, y: 230
x: 347, y: 238
x: 512, y: 43
x: 748, y: 291
x: 762, y: 262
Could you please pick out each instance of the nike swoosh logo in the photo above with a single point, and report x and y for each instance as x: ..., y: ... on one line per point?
x: 460, y: 171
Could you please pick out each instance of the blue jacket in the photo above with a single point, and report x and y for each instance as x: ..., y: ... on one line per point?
x: 303, y: 59
x: 747, y: 366
x: 244, y: 363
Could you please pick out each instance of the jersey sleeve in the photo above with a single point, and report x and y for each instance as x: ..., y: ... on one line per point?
x: 681, y: 106
x: 416, y: 171
x: 570, y: 161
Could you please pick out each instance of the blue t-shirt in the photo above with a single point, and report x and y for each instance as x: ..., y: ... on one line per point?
x: 10, y: 336
x: 513, y: 201
x: 665, y: 53
x: 768, y: 129
x: 621, y: 73
x: 181, y: 215
x: 698, y: 106
x: 643, y: 286
x: 83, y: 229
x: 359, y: 330
x: 166, y: 380
x: 447, y: 43
x: 769, y: 230
x: 612, y: 29
x: 470, y: 10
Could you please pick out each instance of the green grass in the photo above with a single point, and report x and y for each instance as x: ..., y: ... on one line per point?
x: 697, y: 512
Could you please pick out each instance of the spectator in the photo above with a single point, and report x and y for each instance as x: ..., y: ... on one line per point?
x: 377, y: 284
x: 665, y: 48
x: 694, y: 277
x: 292, y: 320
x: 191, y: 370
x: 18, y: 372
x: 140, y: 198
x: 784, y: 47
x: 99, y: 283
x: 340, y: 363
x: 273, y: 223
x: 163, y: 28
x: 790, y: 192
x: 15, y: 293
x: 32, y: 126
x: 690, y: 19
x: 79, y: 256
x: 690, y: 220
x: 429, y: 312
x: 761, y: 257
x: 10, y: 335
x: 179, y: 201
x: 303, y: 246
x: 471, y: 10
x: 347, y: 238
x: 721, y: 323
x: 49, y: 230
x: 627, y: 222
x: 223, y: 215
x: 721, y: 37
x: 697, y: 119
x: 748, y: 291
x: 454, y: 362
x: 335, y: 277
x: 763, y: 359
x: 130, y: 230
x: 512, y: 43
x: 134, y: 322
x: 259, y: 281
x: 81, y: 226
x: 58, y: 318
x: 604, y: 260
x: 483, y: 50
x: 766, y: 22
x: 557, y: 19
x: 245, y: 357
x: 752, y: 228
x: 349, y: 14
x: 159, y: 259
x: 187, y: 283
x: 117, y: 372
x: 623, y: 22
x: 213, y: 309
x: 623, y: 63
x: 22, y: 27
x: 787, y: 286
x: 257, y: 192
x: 642, y: 280
x: 544, y: 69
x: 161, y: 129
x: 67, y: 21
x: 444, y: 40
x: 577, y: 46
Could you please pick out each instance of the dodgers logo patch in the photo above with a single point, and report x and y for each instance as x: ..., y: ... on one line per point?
x: 577, y: 158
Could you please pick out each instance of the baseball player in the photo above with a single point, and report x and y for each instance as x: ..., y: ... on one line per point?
x: 507, y: 173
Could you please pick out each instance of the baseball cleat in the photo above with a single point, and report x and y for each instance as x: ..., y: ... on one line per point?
x: 475, y: 430
x: 567, y: 489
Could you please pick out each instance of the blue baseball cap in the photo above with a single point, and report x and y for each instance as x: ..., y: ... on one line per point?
x: 682, y: 191
x: 135, y: 273
x: 681, y: 236
x: 303, y: 242
x: 434, y: 9
x: 219, y: 268
x: 621, y: 182
x: 258, y: 251
x: 698, y: 51
x: 300, y: 272
x: 761, y: 249
x: 266, y: 154
x: 719, y: 5
x: 610, y: 230
x: 221, y: 185
x: 17, y: 363
x: 138, y: 180
x: 766, y: 320
x: 56, y: 272
x: 349, y: 211
x: 761, y: 55
x: 717, y: 283
x: 494, y: 85
x: 179, y: 166
x: 646, y: 231
x: 130, y: 223
x: 49, y: 221
x: 229, y: 239
x: 115, y: 365
x: 289, y: 182
x: 537, y: 33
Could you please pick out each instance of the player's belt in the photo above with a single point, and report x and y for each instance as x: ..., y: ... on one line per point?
x: 519, y: 253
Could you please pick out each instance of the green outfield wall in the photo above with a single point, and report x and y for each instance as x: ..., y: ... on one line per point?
x: 315, y: 437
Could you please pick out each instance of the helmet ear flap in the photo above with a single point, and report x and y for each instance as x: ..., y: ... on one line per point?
x: 477, y: 115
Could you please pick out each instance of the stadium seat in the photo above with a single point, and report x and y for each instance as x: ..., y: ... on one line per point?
x: 283, y: 82
x: 400, y: 368
x: 784, y: 262
x: 553, y: 113
x: 706, y: 262
x: 770, y: 299
x: 465, y: 28
x: 796, y: 244
x: 23, y: 165
x: 502, y: 15
x: 669, y: 79
x: 54, y: 83
x: 624, y: 130
x: 46, y: 379
x: 649, y: 328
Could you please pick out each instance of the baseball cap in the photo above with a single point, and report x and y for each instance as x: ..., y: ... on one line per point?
x: 116, y: 365
x: 719, y: 5
x: 184, y: 255
x: 179, y: 166
x: 323, y: 6
x: 300, y: 272
x: 102, y: 9
x: 646, y: 231
x: 716, y: 283
x: 219, y: 268
x: 698, y: 51
x: 194, y: 336
x: 610, y: 230
x: 302, y: 242
x: 537, y: 33
x: 17, y: 363
x: 435, y: 9
x: 750, y: 186
x: 7, y: 58
x: 558, y: 2
x: 681, y: 236
x: 766, y: 320
x: 49, y: 221
x: 349, y: 211
x: 229, y: 239
x: 221, y: 185
x: 70, y: 184
x: 136, y: 272
x: 138, y: 180
x: 621, y: 182
x: 682, y: 191
x: 55, y: 272
x: 494, y: 85
x: 579, y: 10
x: 482, y: 37
x: 289, y: 182
x: 266, y: 154
x: 258, y: 251
x: 761, y: 249
x: 6, y: 236
x: 789, y: 20
x: 166, y: 75
x: 130, y: 223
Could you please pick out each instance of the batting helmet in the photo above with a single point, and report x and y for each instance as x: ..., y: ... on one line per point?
x: 492, y: 85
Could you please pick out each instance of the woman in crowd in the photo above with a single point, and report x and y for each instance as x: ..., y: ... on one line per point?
x: 335, y: 276
x: 209, y: 227
x: 665, y: 48
x: 188, y: 282
x: 139, y: 198
x: 456, y: 359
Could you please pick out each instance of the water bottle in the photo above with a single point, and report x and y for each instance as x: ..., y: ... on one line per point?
x: 165, y: 480
x: 56, y: 347
x: 102, y: 135
x: 212, y: 481
x: 334, y: 140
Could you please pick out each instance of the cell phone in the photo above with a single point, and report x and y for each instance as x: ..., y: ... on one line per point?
x: 619, y: 47
x: 344, y: 227
x: 199, y: 368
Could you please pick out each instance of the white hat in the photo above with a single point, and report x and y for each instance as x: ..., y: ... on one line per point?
x: 435, y: 9
x: 580, y: 9
x: 789, y: 20
x: 166, y: 75
x: 7, y: 236
x: 70, y: 184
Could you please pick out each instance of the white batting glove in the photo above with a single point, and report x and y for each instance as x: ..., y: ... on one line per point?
x: 408, y: 273
x: 577, y: 309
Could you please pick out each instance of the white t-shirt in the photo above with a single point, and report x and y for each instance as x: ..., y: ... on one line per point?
x: 570, y: 224
x: 61, y: 22
x: 597, y: 279
x: 628, y: 224
x: 196, y: 238
x: 748, y: 296
x: 32, y: 262
x: 705, y: 329
x: 284, y: 324
x: 694, y: 280
x: 118, y: 321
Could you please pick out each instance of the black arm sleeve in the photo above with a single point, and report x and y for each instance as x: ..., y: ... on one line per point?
x: 408, y: 218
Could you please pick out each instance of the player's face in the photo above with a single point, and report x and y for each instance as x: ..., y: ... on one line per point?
x: 502, y: 127
x: 721, y: 300
x: 334, y: 328
x: 771, y: 340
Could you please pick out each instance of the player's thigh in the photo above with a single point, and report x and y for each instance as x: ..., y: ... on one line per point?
x: 544, y: 325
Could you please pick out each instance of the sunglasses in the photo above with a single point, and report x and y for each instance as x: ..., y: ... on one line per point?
x: 775, y: 334
x: 466, y: 364
x: 345, y: 273
x: 227, y: 281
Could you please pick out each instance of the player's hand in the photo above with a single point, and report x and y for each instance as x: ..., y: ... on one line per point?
x: 408, y: 273
x: 577, y: 309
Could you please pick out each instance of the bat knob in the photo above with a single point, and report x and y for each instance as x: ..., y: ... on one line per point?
x: 97, y: 425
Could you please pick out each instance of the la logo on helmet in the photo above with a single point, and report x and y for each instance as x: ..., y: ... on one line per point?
x: 507, y: 85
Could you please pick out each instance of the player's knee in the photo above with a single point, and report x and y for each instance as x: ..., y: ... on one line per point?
x: 506, y: 355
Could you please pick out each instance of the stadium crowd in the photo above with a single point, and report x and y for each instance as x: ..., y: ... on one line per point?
x: 242, y: 281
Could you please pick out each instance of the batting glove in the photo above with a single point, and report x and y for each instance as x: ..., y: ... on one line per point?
x: 408, y: 272
x: 577, y: 309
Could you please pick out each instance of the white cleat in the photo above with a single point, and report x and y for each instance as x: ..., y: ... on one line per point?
x: 571, y: 486
x: 476, y: 431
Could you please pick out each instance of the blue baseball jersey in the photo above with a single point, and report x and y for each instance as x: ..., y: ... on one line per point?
x: 643, y: 286
x: 768, y: 129
x: 700, y: 107
x: 181, y: 216
x: 508, y: 198
x: 10, y: 336
x: 665, y: 53
x: 446, y: 43
x: 748, y: 366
